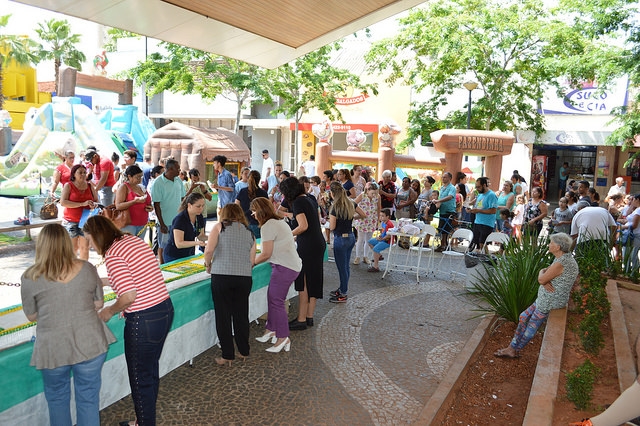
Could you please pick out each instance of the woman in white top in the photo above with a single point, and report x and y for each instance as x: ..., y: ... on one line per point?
x: 278, y: 248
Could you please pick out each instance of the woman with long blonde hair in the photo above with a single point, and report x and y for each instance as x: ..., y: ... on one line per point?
x: 63, y: 294
x: 343, y: 211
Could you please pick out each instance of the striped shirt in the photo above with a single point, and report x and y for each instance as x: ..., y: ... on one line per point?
x: 131, y: 265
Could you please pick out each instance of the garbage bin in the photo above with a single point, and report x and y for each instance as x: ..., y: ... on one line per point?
x: 477, y: 265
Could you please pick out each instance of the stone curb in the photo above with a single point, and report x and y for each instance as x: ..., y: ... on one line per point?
x: 624, y: 354
x: 544, y: 388
x: 437, y: 406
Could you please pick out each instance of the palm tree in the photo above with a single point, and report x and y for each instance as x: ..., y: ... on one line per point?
x: 16, y: 48
x: 59, y: 46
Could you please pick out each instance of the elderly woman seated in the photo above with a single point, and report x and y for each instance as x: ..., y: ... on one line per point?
x: 555, y: 287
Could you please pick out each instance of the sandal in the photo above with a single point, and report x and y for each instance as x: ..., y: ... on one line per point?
x: 501, y: 353
x: 373, y: 269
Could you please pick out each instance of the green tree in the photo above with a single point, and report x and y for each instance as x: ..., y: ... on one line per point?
x: 190, y: 71
x: 17, y: 48
x: 312, y: 81
x: 615, y: 18
x: 515, y: 50
x: 59, y: 45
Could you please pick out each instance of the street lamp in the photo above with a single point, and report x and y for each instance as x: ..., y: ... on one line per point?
x: 469, y: 85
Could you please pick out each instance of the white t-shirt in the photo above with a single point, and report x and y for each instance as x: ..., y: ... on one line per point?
x: 284, y: 248
x: 267, y: 164
x: 592, y: 223
x: 615, y: 189
x: 309, y: 168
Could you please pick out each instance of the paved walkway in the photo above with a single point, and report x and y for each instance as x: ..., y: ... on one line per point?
x: 376, y: 359
x: 373, y: 360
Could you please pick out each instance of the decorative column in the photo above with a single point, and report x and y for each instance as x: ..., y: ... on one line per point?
x: 324, y: 132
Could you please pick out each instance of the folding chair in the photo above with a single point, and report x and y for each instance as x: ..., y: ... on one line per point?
x: 429, y: 232
x: 464, y: 235
x: 495, y: 237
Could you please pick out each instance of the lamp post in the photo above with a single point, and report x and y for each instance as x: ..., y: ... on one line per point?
x: 469, y: 85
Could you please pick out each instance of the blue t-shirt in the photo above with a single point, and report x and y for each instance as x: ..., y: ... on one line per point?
x: 225, y: 197
x: 448, y: 206
x: 487, y: 200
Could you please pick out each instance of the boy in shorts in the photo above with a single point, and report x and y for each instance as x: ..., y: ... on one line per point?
x: 382, y: 241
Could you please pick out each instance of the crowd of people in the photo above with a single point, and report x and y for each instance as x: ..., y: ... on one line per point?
x: 294, y: 219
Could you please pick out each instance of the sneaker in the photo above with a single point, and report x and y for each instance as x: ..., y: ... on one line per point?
x: 334, y: 293
x: 356, y: 261
x: 365, y: 260
x: 341, y: 298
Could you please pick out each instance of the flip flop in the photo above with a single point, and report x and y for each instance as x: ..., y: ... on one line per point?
x: 501, y: 354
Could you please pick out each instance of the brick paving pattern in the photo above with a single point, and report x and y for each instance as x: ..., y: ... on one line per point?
x: 374, y: 360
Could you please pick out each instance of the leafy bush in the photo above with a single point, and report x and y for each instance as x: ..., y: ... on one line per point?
x: 579, y: 384
x: 510, y: 285
x: 591, y: 299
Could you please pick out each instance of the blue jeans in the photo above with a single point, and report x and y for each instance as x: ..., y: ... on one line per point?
x: 342, y: 247
x: 134, y: 230
x: 144, y: 335
x: 86, y: 383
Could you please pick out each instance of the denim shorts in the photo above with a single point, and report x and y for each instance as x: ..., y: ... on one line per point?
x: 163, y: 239
x: 73, y: 228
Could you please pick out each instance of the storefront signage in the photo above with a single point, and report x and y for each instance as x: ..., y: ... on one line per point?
x: 352, y: 100
x: 480, y: 143
x: 587, y: 100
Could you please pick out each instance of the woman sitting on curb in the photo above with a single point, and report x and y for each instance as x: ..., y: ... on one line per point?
x: 555, y: 282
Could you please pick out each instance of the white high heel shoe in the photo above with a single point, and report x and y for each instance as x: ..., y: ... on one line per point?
x: 286, y: 345
x: 271, y: 335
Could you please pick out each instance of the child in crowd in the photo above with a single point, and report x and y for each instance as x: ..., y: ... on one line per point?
x: 561, y: 217
x: 382, y: 241
x: 315, y: 186
x: 369, y: 202
x: 518, y: 218
x: 506, y: 217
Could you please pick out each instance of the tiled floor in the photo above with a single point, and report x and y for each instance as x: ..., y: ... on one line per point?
x: 373, y: 360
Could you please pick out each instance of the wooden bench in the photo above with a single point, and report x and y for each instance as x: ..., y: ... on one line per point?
x: 37, y: 223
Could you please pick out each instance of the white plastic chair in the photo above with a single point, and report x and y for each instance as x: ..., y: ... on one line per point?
x: 430, y: 232
x: 495, y: 237
x: 464, y: 236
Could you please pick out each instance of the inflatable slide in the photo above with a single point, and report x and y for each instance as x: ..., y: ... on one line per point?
x: 62, y: 125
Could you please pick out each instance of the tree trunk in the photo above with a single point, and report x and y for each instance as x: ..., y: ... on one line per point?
x: 236, y: 127
x: 56, y: 65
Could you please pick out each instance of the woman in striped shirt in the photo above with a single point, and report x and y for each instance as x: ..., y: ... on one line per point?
x: 135, y: 276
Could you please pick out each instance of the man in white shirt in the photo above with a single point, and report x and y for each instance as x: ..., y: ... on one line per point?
x: 309, y: 166
x: 592, y: 225
x: 618, y: 188
x: 267, y: 166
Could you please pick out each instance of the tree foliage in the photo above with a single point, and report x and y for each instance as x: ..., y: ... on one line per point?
x: 313, y: 82
x: 615, y: 18
x: 59, y: 45
x: 190, y: 71
x: 515, y: 50
x: 17, y: 48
